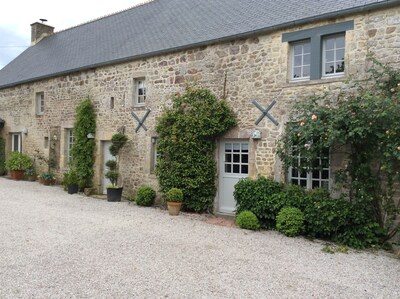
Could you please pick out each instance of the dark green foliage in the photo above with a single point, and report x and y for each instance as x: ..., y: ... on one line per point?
x: 363, y: 122
x: 247, y: 220
x: 118, y: 140
x: 333, y: 219
x: 82, y: 151
x: 290, y: 221
x: 2, y: 156
x: 174, y: 195
x: 70, y: 177
x: 186, y: 146
x: 145, y: 196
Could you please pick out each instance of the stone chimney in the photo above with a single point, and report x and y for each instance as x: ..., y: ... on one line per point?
x: 40, y: 31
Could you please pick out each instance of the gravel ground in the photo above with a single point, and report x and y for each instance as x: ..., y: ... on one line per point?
x: 55, y: 245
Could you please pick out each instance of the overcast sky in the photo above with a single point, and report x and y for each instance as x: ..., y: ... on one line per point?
x: 17, y: 15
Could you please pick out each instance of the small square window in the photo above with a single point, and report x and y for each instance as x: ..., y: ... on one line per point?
x: 39, y: 103
x: 140, y: 91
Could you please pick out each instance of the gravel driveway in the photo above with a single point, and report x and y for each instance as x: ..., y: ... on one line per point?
x: 55, y: 245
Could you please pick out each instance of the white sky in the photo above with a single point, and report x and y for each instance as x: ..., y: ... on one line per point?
x: 17, y: 15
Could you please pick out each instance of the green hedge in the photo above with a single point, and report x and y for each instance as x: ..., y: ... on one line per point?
x: 332, y: 219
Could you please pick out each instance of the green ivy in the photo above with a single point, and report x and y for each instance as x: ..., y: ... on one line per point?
x: 186, y: 145
x: 2, y: 156
x: 363, y: 122
x: 82, y: 151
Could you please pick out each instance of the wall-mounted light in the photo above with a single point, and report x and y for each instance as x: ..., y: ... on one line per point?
x: 90, y: 136
x: 256, y: 134
x: 55, y: 137
x: 24, y: 130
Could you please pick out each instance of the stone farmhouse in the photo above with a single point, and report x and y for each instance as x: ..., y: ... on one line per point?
x: 137, y: 59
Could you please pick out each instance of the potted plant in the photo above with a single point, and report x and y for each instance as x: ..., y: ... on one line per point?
x: 71, y: 181
x: 47, y: 178
x: 114, y: 192
x: 174, y: 198
x: 30, y: 174
x: 17, y: 163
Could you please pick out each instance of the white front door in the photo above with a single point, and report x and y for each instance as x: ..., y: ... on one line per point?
x: 106, y: 156
x: 234, y: 165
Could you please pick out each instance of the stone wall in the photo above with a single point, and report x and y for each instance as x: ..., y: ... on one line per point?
x: 252, y: 68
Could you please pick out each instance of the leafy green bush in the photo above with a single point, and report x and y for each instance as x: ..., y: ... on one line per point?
x: 247, y: 220
x: 145, y: 196
x: 174, y: 194
x: 290, y: 221
x: 18, y: 161
x: 118, y: 141
x: 186, y: 145
x: 82, y: 150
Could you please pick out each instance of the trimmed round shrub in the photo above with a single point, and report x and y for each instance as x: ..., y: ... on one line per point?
x: 145, y: 196
x: 247, y: 220
x: 290, y: 221
x: 174, y: 195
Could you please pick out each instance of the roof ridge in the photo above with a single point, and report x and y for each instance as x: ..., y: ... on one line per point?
x: 144, y: 2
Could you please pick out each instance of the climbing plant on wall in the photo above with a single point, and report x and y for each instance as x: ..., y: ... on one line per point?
x: 363, y: 124
x: 186, y: 145
x: 82, y: 151
x: 2, y: 156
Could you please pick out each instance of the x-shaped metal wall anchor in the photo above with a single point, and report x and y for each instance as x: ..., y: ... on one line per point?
x: 265, y: 112
x: 141, y: 121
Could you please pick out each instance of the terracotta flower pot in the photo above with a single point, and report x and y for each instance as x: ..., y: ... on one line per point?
x: 17, y: 174
x: 174, y: 208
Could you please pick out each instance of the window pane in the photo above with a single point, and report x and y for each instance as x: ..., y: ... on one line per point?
x: 307, y: 59
x: 295, y: 173
x: 306, y: 47
x: 228, y: 147
x: 303, y: 183
x: 297, y: 60
x: 245, y: 169
x: 315, y: 184
x: 245, y: 147
x: 340, y: 54
x: 329, y: 56
x: 329, y: 68
x: 245, y: 158
x: 315, y: 174
x: 236, y: 168
x: 228, y: 158
x: 325, y: 174
x: 340, y: 42
x: 297, y: 72
x: 236, y: 147
x: 236, y: 158
x: 329, y: 43
x: 306, y: 71
x: 298, y: 49
x: 303, y: 174
x: 228, y: 168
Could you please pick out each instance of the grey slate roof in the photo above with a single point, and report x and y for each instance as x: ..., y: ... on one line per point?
x: 163, y: 26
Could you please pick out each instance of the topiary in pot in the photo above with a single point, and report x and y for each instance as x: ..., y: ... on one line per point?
x: 145, y: 196
x: 17, y: 163
x: 174, y: 198
x: 248, y: 220
x: 290, y: 221
x: 114, y: 192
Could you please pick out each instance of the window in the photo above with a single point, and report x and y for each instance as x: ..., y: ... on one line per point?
x: 140, y: 91
x: 70, y: 142
x: 317, y: 52
x: 236, y: 158
x: 333, y: 55
x: 301, y: 55
x: 39, y: 103
x: 317, y: 178
x: 16, y: 145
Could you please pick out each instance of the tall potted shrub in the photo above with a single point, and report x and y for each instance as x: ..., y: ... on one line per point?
x: 114, y: 192
x: 17, y: 163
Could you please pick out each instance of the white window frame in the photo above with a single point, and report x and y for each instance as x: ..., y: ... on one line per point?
x: 70, y: 139
x: 39, y: 103
x: 230, y: 164
x: 303, y: 65
x: 308, y: 176
x: 19, y: 146
x: 140, y: 91
x: 335, y: 60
